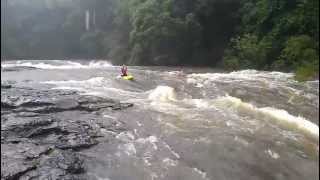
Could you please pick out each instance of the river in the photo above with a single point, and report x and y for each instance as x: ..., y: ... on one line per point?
x: 191, y: 123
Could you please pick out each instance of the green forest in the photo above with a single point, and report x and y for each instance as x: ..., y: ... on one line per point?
x: 279, y: 35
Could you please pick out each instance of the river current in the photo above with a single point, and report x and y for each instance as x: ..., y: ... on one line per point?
x: 192, y: 123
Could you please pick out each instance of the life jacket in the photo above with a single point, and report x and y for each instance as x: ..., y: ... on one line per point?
x: 124, y: 71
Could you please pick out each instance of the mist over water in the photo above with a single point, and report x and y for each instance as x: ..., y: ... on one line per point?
x: 192, y: 124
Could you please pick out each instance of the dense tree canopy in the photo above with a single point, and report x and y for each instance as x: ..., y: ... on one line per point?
x: 235, y: 34
x: 277, y: 34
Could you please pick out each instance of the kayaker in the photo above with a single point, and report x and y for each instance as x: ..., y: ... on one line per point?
x: 124, y: 70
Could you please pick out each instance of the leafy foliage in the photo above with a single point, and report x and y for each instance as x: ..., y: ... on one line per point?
x: 277, y: 34
x: 239, y: 34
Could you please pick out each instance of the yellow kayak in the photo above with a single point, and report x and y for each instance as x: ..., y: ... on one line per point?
x: 129, y: 77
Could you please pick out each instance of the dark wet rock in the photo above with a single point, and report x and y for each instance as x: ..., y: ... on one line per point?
x: 73, y: 135
x: 58, y: 165
x: 13, y: 168
x: 36, y: 105
x: 42, y: 132
x: 14, y: 140
x: 116, y: 126
x: 30, y: 103
x: 66, y: 104
x: 5, y: 86
x: 95, y: 103
x: 17, y: 68
x: 121, y: 106
x: 6, y: 105
x: 76, y: 141
x: 13, y: 102
x: 17, y: 159
x: 23, y: 127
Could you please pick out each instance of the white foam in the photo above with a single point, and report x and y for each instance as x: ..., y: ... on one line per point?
x: 94, y: 81
x: 297, y: 122
x: 126, y: 136
x: 173, y: 72
x: 163, y: 94
x: 81, y: 85
x: 242, y: 141
x: 139, y: 124
x: 129, y: 149
x: 154, y: 176
x: 273, y: 154
x: 108, y: 116
x: 146, y: 161
x: 69, y: 88
x: 96, y: 86
x: 203, y: 174
x: 99, y: 94
x: 86, y: 87
x: 200, y: 103
x: 164, y: 99
x: 169, y: 162
x: 278, y: 116
x: 172, y: 151
x: 239, y: 76
x: 99, y: 64
x: 59, y: 64
x: 199, y: 85
x: 151, y: 139
x: 103, y: 178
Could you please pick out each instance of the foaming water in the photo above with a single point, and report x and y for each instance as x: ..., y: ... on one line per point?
x: 57, y: 64
x: 244, y: 75
x: 95, y: 80
x: 250, y: 78
x: 164, y: 99
x: 277, y: 116
x: 97, y: 86
x: 184, y: 125
x: 163, y: 94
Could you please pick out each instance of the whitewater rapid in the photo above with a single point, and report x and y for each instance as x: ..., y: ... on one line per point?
x: 162, y: 96
x: 58, y: 64
x: 181, y: 116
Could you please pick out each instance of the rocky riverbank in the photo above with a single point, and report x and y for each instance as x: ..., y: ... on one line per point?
x: 43, y: 132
